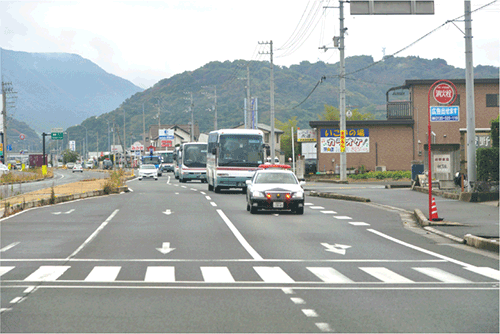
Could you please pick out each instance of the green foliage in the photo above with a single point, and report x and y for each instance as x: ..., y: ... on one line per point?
x: 333, y: 114
x: 394, y: 175
x: 494, y: 132
x: 286, y: 138
x: 69, y: 156
x: 487, y: 164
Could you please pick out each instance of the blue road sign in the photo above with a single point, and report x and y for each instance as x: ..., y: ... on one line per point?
x: 445, y: 114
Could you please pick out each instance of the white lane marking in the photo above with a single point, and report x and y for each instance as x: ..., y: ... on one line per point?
x: 317, y: 208
x: 56, y: 213
x: 213, y: 204
x: 131, y: 190
x: 68, y: 212
x: 183, y: 187
x: 329, y: 275
x: 4, y: 270
x: 208, y: 198
x: 217, y: 275
x: 30, y: 289
x: 273, y: 275
x: 103, y: 274
x: 168, y: 179
x: 177, y: 193
x: 310, y: 313
x: 385, y: 275
x: 359, y: 223
x: 485, y: 271
x: 288, y: 291
x: 298, y: 301
x: 308, y: 204
x: 47, y: 273
x: 193, y: 189
x: 441, y: 275
x: 240, y: 237
x: 5, y: 310
x: 324, y: 327
x: 203, y: 193
x: 342, y: 217
x: 93, y: 235
x: 6, y: 248
x: 15, y: 300
x: 328, y: 212
x: 160, y: 274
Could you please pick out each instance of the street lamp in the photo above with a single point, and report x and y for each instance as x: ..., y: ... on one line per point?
x: 86, y: 142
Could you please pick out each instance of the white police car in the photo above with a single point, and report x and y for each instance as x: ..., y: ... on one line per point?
x: 275, y: 187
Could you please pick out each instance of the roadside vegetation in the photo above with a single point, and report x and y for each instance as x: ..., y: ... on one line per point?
x: 23, y: 176
x: 393, y: 175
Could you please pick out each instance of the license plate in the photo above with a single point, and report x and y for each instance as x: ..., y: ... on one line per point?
x: 278, y: 204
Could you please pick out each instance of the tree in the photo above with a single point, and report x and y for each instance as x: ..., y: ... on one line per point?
x: 69, y: 156
x: 286, y: 138
x: 333, y: 114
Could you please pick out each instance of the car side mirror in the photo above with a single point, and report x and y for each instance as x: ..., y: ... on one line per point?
x: 214, y: 151
x: 248, y: 182
x: 302, y: 183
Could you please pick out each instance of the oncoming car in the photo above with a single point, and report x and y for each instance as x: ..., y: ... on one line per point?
x: 148, y: 170
x: 275, y: 187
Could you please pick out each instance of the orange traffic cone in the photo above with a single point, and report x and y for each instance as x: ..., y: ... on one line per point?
x: 434, y: 212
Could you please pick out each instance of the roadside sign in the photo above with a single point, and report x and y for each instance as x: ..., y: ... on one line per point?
x: 9, y: 147
x: 342, y: 140
x: 56, y: 135
x: 444, y: 93
x: 445, y: 114
x: 22, y: 136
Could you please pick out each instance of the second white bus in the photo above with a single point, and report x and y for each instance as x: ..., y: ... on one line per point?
x: 233, y: 156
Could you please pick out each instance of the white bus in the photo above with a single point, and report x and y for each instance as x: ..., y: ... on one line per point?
x: 193, y: 164
x: 232, y: 158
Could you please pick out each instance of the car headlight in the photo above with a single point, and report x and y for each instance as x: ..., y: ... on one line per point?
x: 298, y: 195
x: 222, y: 174
x: 257, y: 194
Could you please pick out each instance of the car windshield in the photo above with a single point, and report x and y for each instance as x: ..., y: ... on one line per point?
x: 195, y: 155
x: 241, y: 150
x: 283, y: 178
x: 148, y: 167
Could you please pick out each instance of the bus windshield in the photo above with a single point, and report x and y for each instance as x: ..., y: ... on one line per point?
x: 151, y: 160
x: 241, y: 150
x: 168, y: 157
x: 195, y: 155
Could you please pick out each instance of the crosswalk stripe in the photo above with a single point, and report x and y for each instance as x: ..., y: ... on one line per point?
x: 385, y: 275
x: 4, y: 270
x: 217, y: 275
x: 160, y: 274
x: 329, y: 275
x: 273, y: 275
x: 485, y: 271
x: 441, y: 275
x: 47, y: 273
x: 103, y: 274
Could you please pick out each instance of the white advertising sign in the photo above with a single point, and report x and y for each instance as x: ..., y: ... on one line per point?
x: 72, y: 145
x: 442, y: 163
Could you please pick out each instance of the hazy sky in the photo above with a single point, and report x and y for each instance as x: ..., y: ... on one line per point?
x: 146, y: 41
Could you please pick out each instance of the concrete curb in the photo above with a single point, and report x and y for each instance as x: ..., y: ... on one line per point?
x: 482, y: 243
x: 59, y: 199
x: 338, y: 196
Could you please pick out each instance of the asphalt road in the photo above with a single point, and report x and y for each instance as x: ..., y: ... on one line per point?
x: 170, y: 257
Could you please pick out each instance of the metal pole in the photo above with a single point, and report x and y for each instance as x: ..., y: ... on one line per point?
x: 469, y: 87
x: 343, y: 155
x: 215, y: 117
x: 143, y: 130
x: 293, y: 151
x: 192, y: 117
x: 248, y: 120
x: 273, y: 141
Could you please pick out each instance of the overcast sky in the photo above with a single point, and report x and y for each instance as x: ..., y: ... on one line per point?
x: 146, y: 41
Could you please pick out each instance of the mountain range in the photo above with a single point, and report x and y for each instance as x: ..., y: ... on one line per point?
x: 58, y: 90
x: 301, y: 91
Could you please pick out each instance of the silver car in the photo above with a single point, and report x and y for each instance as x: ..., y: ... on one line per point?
x: 148, y: 170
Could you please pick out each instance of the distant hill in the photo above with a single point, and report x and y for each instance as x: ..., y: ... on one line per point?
x: 295, y: 93
x: 60, y: 89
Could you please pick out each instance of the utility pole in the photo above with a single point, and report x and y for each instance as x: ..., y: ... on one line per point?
x: 273, y: 141
x: 143, y: 130
x: 214, y: 106
x: 191, y: 105
x: 469, y: 87
x: 248, y: 119
x: 343, y: 155
x: 6, y: 90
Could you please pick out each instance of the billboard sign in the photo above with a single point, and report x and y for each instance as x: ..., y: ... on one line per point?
x: 445, y: 114
x: 356, y: 140
x: 308, y: 135
x: 72, y: 145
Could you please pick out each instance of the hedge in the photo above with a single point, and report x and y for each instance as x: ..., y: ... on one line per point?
x: 396, y: 175
x: 487, y: 164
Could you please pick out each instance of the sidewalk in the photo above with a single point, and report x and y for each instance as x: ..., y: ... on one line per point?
x: 460, y: 219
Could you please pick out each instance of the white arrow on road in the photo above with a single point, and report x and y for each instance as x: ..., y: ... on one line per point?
x: 168, y: 212
x: 336, y: 248
x: 165, y: 249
